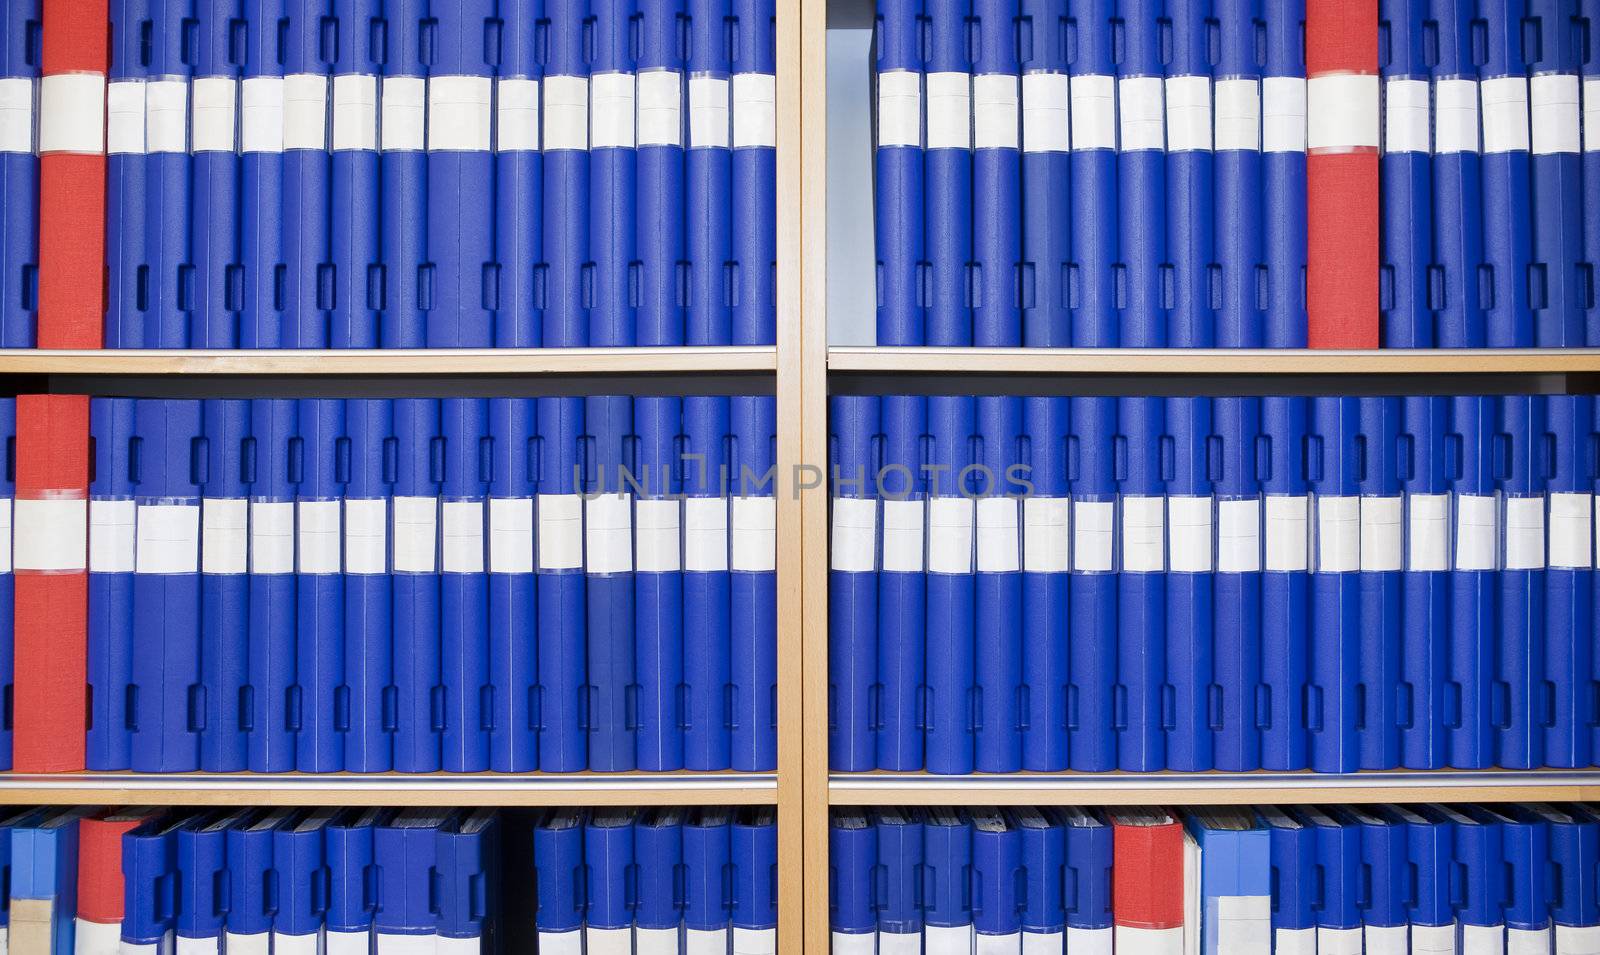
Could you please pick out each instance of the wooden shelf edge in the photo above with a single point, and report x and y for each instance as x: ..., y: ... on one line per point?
x: 387, y: 362
x: 1211, y: 361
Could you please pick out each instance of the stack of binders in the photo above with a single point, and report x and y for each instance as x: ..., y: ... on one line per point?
x: 1097, y: 584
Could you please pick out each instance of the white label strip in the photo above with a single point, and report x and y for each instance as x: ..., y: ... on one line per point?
x: 999, y: 546
x: 1140, y: 113
x: 1046, y: 116
x: 305, y: 111
x: 517, y: 116
x: 111, y: 536
x: 657, y: 544
x: 355, y: 112
x: 855, y: 527
x: 1188, y: 113
x: 1338, y: 534
x: 705, y: 534
x: 261, y: 114
x: 319, y: 535
x: 660, y: 108
x: 366, y: 536
x: 166, y: 104
x: 271, y: 537
x: 1455, y: 116
x: 1342, y: 112
x: 511, y: 535
x: 416, y: 535
x: 1239, y: 536
x: 709, y: 114
x: 125, y: 118
x: 463, y: 537
x: 903, y: 529
x: 169, y: 539
x: 16, y: 114
x: 459, y: 113
x: 1283, y: 114
x: 949, y: 110
x: 560, y: 536
x: 996, y: 122
x: 1143, y: 534
x: 1238, y: 114
x: 224, y: 535
x: 608, y: 533
x: 1094, y: 112
x: 755, y: 99
x: 215, y: 105
x: 1572, y: 530
x: 950, y: 534
x: 1189, y: 539
x: 1405, y: 116
x: 1476, y: 537
x: 1093, y: 536
x: 1381, y: 533
x: 405, y: 100
x: 1288, y: 544
x: 1428, y: 532
x: 1505, y: 114
x: 72, y: 115
x: 1524, y: 533
x: 612, y: 111
x: 1045, y: 535
x: 1554, y: 113
x: 566, y: 112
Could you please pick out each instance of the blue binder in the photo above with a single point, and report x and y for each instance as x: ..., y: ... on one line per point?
x: 1518, y: 704
x: 561, y: 711
x: 306, y: 174
x: 297, y: 889
x: 1285, y: 581
x: 513, y: 660
x: 609, y: 879
x: 111, y: 562
x: 469, y: 881
x: 1430, y: 854
x: 755, y: 174
x: 1141, y: 276
x: 1043, y: 286
x: 1235, y: 880
x: 167, y: 284
x: 1283, y: 173
x: 898, y: 881
x: 754, y: 850
x: 224, y: 583
x: 704, y: 628
x: 1525, y: 835
x: 251, y: 884
x: 998, y: 880
x: 44, y: 868
x: 405, y: 847
x: 1473, y: 594
x: 1191, y: 173
x: 261, y: 177
x: 1382, y: 557
x: 1190, y: 707
x: 852, y: 869
x: 1338, y: 876
x: 951, y: 711
x: 271, y: 634
x: 1455, y: 287
x: 214, y: 202
x: 997, y: 604
x: 613, y: 162
x: 1091, y: 279
x: 1406, y: 317
x: 464, y: 586
x: 352, y: 881
x: 1242, y: 710
x: 947, y: 172
x: 1333, y: 674
x: 996, y: 175
x: 1481, y: 880
x: 149, y: 881
x: 322, y: 470
x: 1294, y: 881
x: 1574, y: 848
x: 1242, y: 213
x: 753, y: 583
x: 659, y: 217
x: 369, y: 694
x: 1137, y: 711
x: 897, y: 174
x: 8, y: 489
x: 1092, y: 586
x: 609, y: 583
x: 1590, y: 71
x: 355, y: 203
x: 1423, y: 468
x: 1086, y: 882
x: 1507, y: 196
x: 708, y: 164
x: 708, y: 884
x: 519, y: 179
x: 417, y: 615
x: 164, y: 722
x: 658, y: 847
x: 1385, y: 875
x: 127, y: 205
x: 1043, y: 897
x: 947, y: 883
x: 565, y: 221
x: 1046, y: 560
x: 853, y: 582
x: 559, y: 893
x: 1558, y: 286
x: 663, y: 647
x: 201, y: 860
x: 403, y: 171
x: 19, y: 182
x: 1569, y: 583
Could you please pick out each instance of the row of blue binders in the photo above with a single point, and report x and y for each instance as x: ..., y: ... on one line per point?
x: 1385, y: 880
x: 415, y: 585
x: 1235, y: 583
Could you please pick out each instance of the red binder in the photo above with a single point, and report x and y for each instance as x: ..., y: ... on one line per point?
x: 1147, y: 881
x: 1342, y: 173
x: 100, y: 896
x: 51, y: 521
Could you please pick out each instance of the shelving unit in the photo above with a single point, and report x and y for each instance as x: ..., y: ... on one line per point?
x: 1210, y: 361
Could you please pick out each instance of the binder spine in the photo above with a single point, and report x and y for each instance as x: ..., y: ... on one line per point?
x: 262, y: 173
x: 1283, y: 173
x: 1406, y: 316
x: 1335, y: 605
x: 1293, y: 853
x: 1141, y: 179
x: 562, y: 716
x: 403, y: 172
x: 853, y: 864
x: 1285, y: 583
x: 1381, y: 560
x: 853, y: 582
x: 997, y: 607
x: 559, y: 901
x: 753, y: 584
x: 1091, y: 286
x: 216, y: 283
x: 224, y: 584
x: 127, y: 173
x: 1043, y: 899
x: 708, y: 165
x: 661, y: 215
x: 898, y: 170
x: 1557, y: 291
x: 1430, y: 853
x: 1455, y: 289
x: 566, y: 144
x: 299, y: 892
x: 1046, y: 559
x: 1481, y: 896
x: 406, y: 849
x: 1425, y: 632
x: 469, y: 872
x: 951, y: 707
x: 1147, y: 903
x: 1519, y: 708
x: 147, y: 859
x: 322, y: 467
x: 249, y: 874
x: 1242, y: 704
x: 1241, y: 219
x: 1569, y: 584
x: 19, y: 177
x: 708, y: 714
x: 306, y: 169
x: 368, y: 701
x: 1191, y: 718
x: 613, y: 188
x: 1043, y: 284
x: 200, y: 848
x: 272, y: 637
x: 658, y: 915
x: 1589, y: 71
x: 519, y: 180
x: 997, y: 898
x: 513, y: 588
x: 464, y: 585
x: 708, y: 889
x: 669, y: 673
x: 1507, y: 193
x: 1339, y: 876
x: 414, y: 565
x: 1473, y: 623
x: 169, y: 163
x: 1191, y: 175
x: 609, y: 580
x: 947, y: 883
x: 609, y: 877
x: 897, y: 882
x: 111, y: 530
x: 355, y: 259
x: 8, y: 493
x: 1087, y: 881
x: 996, y: 176
x: 352, y: 896
x: 947, y: 171
x: 1092, y: 586
x: 1138, y: 705
x: 754, y: 172
x: 754, y: 846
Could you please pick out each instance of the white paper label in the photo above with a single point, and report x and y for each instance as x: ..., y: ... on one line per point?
x: 1188, y: 113
x: 949, y: 110
x: 1239, y: 536
x: 1381, y: 525
x: 1189, y: 539
x: 1283, y: 114
x: 1572, y: 530
x: 516, y: 116
x: 16, y: 114
x: 1524, y: 533
x: 1405, y: 116
x: 1342, y: 112
x: 166, y: 105
x: 1093, y: 530
x: 1045, y: 535
x: 318, y: 537
x: 405, y: 101
x: 1455, y: 116
x: 1505, y: 114
x: 566, y: 112
x: 111, y: 536
x: 755, y: 534
x: 355, y: 111
x: 1094, y: 112
x: 1428, y: 536
x: 1046, y: 118
x: 366, y: 536
x: 1140, y: 113
x: 705, y: 534
x: 1338, y: 534
x: 305, y: 111
x: 656, y: 539
x: 899, y: 108
x: 660, y: 108
x: 72, y: 115
x: 1238, y: 114
x: 169, y: 539
x: 560, y: 532
x: 416, y: 535
x: 996, y: 123
x: 1554, y: 113
x: 463, y: 537
x: 271, y: 537
x: 608, y: 533
x: 612, y: 114
x: 1143, y: 534
x: 1287, y: 524
x: 1476, y: 537
x: 510, y: 535
x: 755, y: 98
x: 458, y: 113
x: 709, y: 124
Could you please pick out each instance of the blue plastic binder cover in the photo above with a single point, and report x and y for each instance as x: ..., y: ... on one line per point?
x: 1507, y: 196
x: 1140, y: 276
x: 127, y: 209
x: 613, y: 162
x: 565, y: 221
x: 753, y: 584
x: 201, y: 863
x: 321, y: 466
x: 164, y: 722
x: 111, y: 561
x: 1046, y: 430
x: 1333, y: 672
x: 1422, y: 467
x: 610, y: 876
x: 417, y: 618
x: 854, y: 451
x: 558, y: 874
x: 1190, y: 707
x: 1285, y: 582
x: 1241, y: 203
x: 1482, y: 879
x: 8, y: 489
x: 464, y: 585
x: 1043, y: 899
x: 19, y: 181
x: 903, y: 586
x: 1559, y: 289
x: 1043, y: 281
x: 950, y: 710
x: 708, y: 165
x: 609, y: 582
x: 403, y: 243
x: 754, y: 850
x: 662, y: 645
x: 754, y: 173
x: 1473, y: 582
x: 518, y: 179
x: 897, y: 167
x: 355, y: 264
x: 898, y: 881
x: 168, y: 46
x: 44, y: 867
x: 1283, y: 172
x: 1406, y: 317
x: 996, y: 175
x: 658, y: 848
x: 1137, y: 713
x: 1294, y: 881
x: 1569, y: 583
x: 1525, y: 837
x: 1235, y: 876
x: 405, y: 847
x: 306, y: 174
x: 1086, y: 882
x: 1456, y: 291
x: 1518, y: 703
x: 997, y: 607
x: 947, y: 882
x: 299, y: 890
x: 266, y: 714
x: 368, y: 698
x: 997, y: 880
x: 560, y: 716
x: 947, y: 173
x: 251, y: 882
x: 352, y: 877
x: 1382, y: 540
x: 1386, y: 877
x: 1191, y: 167
x: 1574, y: 849
x: 708, y: 883
x: 1092, y: 586
x: 1091, y: 276
x: 214, y: 207
x: 704, y: 628
x: 1430, y: 857
x: 659, y: 219
x: 1590, y: 70
x: 261, y: 177
x: 852, y: 868
x: 224, y: 583
x: 149, y: 881
x: 513, y: 659
x: 1339, y: 873
x: 1238, y: 464
x: 468, y: 867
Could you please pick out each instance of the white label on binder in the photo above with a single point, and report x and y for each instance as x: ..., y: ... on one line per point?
x: 1381, y: 523
x: 286, y: 944
x: 987, y: 944
x: 405, y: 101
x: 510, y: 535
x: 696, y: 941
x: 947, y: 939
x: 1090, y: 941
x: 1405, y: 116
x: 1093, y: 530
x: 705, y: 534
x: 755, y: 941
x: 1143, y: 534
x: 1527, y: 941
x: 1578, y: 940
x: 563, y: 943
x: 1094, y: 112
x: 608, y: 533
x: 318, y: 537
x: 1524, y: 533
x: 1342, y: 111
x: 1287, y: 521
x: 1338, y: 534
x: 103, y: 938
x: 1189, y: 540
x: 660, y: 108
x: 517, y: 116
x: 1046, y: 118
x: 1505, y: 114
x: 261, y: 114
x: 755, y: 98
x: 1554, y: 113
x: 271, y: 537
x: 111, y: 536
x: 1455, y: 116
x: 458, y: 113
x: 366, y: 536
x: 125, y: 117
x: 996, y: 123
x: 653, y: 941
x: 1591, y: 114
x: 560, y: 536
x: 1139, y: 110
x: 608, y: 941
x: 1283, y: 114
x: 1475, y: 532
x: 254, y: 943
x: 1043, y: 943
x: 1188, y: 113
x: 212, y: 945
x: 305, y: 111
x: 1239, y: 536
x: 566, y: 112
x: 903, y: 536
x: 1294, y: 941
x: 1387, y: 940
x: 1338, y: 941
x: 847, y: 943
x: 1435, y: 939
x: 950, y: 535
x: 899, y: 108
x: 72, y: 115
x: 657, y: 549
x: 1238, y: 114
x: 224, y: 535
x: 1244, y: 922
x: 1483, y: 940
x: 999, y: 550
x: 949, y: 110
x: 1150, y: 941
x: 169, y: 539
x: 166, y: 108
x: 1046, y: 524
x: 416, y: 534
x: 755, y: 534
x: 463, y: 537
x: 5, y: 535
x: 612, y: 114
x: 1428, y: 536
x: 855, y: 529
x: 355, y: 111
x: 708, y: 112
x: 16, y: 115
x: 344, y: 943
x: 215, y: 104
x: 1572, y: 530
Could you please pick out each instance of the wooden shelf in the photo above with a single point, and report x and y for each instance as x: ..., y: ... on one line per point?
x: 1143, y: 789
x: 1211, y: 361
x: 391, y: 362
x: 437, y: 789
